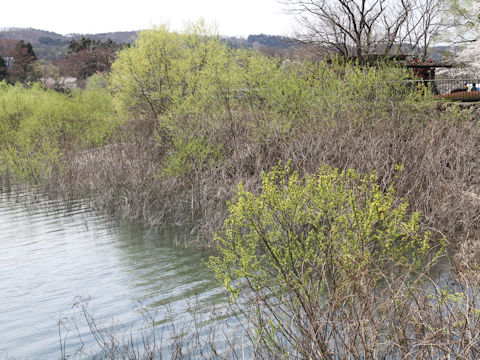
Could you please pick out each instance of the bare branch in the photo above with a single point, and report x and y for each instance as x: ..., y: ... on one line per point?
x: 364, y: 27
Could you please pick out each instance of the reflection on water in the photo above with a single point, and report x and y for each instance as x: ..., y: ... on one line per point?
x: 51, y: 253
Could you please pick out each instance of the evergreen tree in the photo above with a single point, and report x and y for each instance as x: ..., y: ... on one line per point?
x: 22, y: 68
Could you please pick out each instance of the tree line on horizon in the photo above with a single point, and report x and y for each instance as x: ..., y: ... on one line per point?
x: 84, y: 57
x: 351, y: 29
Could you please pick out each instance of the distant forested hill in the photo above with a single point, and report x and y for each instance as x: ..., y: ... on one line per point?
x: 52, y: 46
x: 271, y: 41
x: 120, y: 37
x: 261, y: 41
x: 46, y: 45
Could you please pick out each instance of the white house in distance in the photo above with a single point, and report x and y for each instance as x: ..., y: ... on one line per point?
x: 8, y: 60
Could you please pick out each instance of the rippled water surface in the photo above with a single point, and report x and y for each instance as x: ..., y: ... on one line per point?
x: 50, y: 254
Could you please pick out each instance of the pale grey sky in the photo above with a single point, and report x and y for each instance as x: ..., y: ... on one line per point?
x: 232, y: 17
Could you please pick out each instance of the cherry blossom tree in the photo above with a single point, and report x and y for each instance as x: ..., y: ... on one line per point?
x: 463, y: 35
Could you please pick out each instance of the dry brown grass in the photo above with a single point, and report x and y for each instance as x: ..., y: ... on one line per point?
x: 438, y: 149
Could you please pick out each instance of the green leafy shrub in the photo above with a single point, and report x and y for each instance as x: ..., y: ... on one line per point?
x: 193, y: 73
x: 336, y: 221
x: 164, y: 69
x: 304, y: 249
x: 37, y: 126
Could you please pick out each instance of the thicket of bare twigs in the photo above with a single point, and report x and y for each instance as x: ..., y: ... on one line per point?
x: 436, y: 321
x: 439, y: 152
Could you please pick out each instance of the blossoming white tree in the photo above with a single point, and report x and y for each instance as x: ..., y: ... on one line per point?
x: 463, y: 17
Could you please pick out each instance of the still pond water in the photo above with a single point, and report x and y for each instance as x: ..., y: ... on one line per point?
x: 50, y: 254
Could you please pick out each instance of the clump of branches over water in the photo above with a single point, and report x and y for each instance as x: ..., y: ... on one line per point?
x: 321, y: 266
x: 317, y: 266
x: 330, y: 266
x: 396, y: 321
x: 196, y: 335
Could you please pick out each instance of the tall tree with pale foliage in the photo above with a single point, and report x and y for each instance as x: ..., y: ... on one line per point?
x: 464, y: 33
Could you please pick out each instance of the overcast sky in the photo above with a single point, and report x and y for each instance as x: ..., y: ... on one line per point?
x: 232, y: 17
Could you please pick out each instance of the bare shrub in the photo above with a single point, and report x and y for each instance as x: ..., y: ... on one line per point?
x: 197, y: 336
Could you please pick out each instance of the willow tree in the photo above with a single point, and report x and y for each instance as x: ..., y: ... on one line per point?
x: 166, y: 69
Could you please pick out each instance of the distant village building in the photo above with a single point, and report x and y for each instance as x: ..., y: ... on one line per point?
x: 8, y: 60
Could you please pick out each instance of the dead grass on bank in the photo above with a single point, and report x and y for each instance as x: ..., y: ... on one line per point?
x: 439, y: 152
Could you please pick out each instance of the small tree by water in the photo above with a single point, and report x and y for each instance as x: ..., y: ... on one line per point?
x: 325, y: 264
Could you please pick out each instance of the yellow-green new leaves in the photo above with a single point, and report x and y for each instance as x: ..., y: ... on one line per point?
x: 167, y: 70
x: 38, y: 125
x: 192, y: 81
x: 191, y: 155
x: 303, y: 234
x: 148, y: 75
